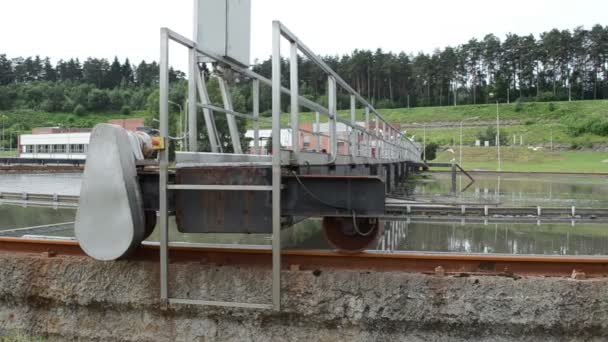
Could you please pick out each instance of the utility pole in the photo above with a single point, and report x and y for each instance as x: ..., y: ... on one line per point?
x: 498, y: 135
x: 2, y: 142
x: 424, y: 143
x: 473, y: 118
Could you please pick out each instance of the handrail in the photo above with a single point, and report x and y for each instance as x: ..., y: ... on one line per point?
x: 405, y: 145
x: 306, y: 51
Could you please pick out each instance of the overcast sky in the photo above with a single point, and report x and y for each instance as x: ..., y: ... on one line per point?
x: 130, y: 28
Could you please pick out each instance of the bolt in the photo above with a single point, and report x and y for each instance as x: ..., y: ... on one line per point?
x: 578, y: 275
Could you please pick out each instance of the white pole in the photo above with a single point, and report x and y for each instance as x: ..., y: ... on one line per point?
x: 498, y: 135
x: 460, y: 161
x: 424, y: 143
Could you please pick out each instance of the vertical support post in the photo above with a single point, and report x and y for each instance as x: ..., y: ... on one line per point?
x: 424, y: 143
x: 276, y: 165
x: 498, y: 135
x: 331, y: 100
x: 295, y: 103
x: 377, y: 137
x: 383, y: 138
x: 453, y: 177
x: 192, y: 108
x: 232, y: 127
x: 354, y: 141
x: 208, y: 115
x: 163, y: 165
x: 318, y: 131
x: 368, y: 152
x: 394, y: 146
x: 255, y: 93
x: 185, y: 124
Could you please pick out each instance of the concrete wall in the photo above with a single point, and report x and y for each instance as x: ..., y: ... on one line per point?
x: 76, y: 298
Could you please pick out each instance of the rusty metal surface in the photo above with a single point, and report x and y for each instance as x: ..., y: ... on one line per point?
x: 350, y: 235
x: 323, y: 195
x: 452, y: 264
x: 223, y: 211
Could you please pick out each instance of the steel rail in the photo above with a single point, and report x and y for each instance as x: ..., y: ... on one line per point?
x: 307, y: 260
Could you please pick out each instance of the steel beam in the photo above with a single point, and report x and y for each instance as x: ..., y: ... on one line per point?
x: 331, y: 100
x: 276, y: 165
x: 214, y: 143
x: 354, y: 141
x: 192, y: 109
x: 255, y: 94
x: 295, y: 103
x: 163, y: 157
x: 232, y: 126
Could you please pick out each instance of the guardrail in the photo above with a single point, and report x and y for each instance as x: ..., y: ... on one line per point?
x: 39, y: 199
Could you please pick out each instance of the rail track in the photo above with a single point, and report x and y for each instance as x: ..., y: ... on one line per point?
x: 317, y: 260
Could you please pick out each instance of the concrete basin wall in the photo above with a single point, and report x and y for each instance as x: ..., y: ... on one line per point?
x: 77, y: 298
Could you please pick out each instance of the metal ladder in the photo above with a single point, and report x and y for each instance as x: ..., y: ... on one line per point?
x: 197, y: 85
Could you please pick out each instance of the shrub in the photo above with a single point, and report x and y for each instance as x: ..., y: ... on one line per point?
x: 576, y: 126
x: 519, y: 106
x: 546, y: 96
x: 98, y: 100
x: 79, y: 110
x: 551, y: 106
x: 431, y: 150
x: 115, y: 99
x: 384, y: 103
x: 490, y: 135
x: 125, y: 110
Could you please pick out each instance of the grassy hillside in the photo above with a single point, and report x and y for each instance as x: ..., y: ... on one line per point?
x: 523, y: 159
x: 525, y: 112
x: 535, y: 121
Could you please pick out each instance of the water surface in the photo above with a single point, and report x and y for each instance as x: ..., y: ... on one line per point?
x: 399, y: 235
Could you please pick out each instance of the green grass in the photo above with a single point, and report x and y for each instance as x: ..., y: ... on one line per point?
x: 12, y: 153
x: 521, y: 159
x: 531, y: 112
x: 20, y: 337
x: 533, y: 120
x: 532, y: 135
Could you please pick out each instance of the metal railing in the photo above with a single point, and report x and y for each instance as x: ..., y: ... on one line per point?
x: 388, y: 142
x: 367, y: 144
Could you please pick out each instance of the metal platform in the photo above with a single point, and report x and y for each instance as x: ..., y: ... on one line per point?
x: 217, y: 191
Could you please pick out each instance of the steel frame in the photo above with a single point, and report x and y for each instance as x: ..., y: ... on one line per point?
x: 389, y: 144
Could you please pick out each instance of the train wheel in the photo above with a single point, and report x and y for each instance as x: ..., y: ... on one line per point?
x: 351, y: 236
x: 150, y: 222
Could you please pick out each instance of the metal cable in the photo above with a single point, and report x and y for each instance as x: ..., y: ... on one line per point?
x: 353, y: 213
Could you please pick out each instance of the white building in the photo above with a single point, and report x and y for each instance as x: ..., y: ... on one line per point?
x: 265, y: 134
x: 54, y: 146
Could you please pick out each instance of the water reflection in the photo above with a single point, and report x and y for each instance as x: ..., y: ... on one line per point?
x: 547, y: 238
x: 520, y: 190
x: 15, y: 216
x: 401, y: 236
x: 41, y: 183
x: 504, y: 238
